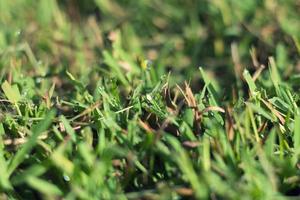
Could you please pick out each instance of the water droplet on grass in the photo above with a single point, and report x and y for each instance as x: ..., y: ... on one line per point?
x: 38, y: 80
x: 18, y: 33
x: 66, y: 177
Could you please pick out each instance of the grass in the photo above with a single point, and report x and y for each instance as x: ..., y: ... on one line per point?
x: 107, y: 100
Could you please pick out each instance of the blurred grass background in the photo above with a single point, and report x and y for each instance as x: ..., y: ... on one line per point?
x: 177, y: 35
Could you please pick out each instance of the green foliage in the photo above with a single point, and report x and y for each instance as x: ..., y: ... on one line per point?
x: 104, y: 99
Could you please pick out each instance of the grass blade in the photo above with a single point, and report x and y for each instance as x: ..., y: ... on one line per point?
x: 30, y: 144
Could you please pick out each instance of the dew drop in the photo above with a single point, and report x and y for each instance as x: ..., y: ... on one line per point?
x: 38, y: 80
x: 18, y: 33
x: 66, y: 177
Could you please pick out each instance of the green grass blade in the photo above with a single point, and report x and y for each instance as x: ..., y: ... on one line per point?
x: 30, y: 144
x: 11, y: 92
x: 43, y: 186
x: 68, y: 127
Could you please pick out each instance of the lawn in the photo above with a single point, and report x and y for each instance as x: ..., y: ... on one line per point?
x: 149, y: 99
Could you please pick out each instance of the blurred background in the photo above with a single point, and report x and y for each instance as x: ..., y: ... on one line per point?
x: 91, y: 38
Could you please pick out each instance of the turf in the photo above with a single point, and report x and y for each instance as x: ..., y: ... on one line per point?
x: 173, y: 99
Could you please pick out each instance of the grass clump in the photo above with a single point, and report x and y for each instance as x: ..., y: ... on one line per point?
x: 105, y: 99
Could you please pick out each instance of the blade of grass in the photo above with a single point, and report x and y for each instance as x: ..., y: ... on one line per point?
x: 186, y: 166
x: 43, y: 186
x: 30, y: 144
